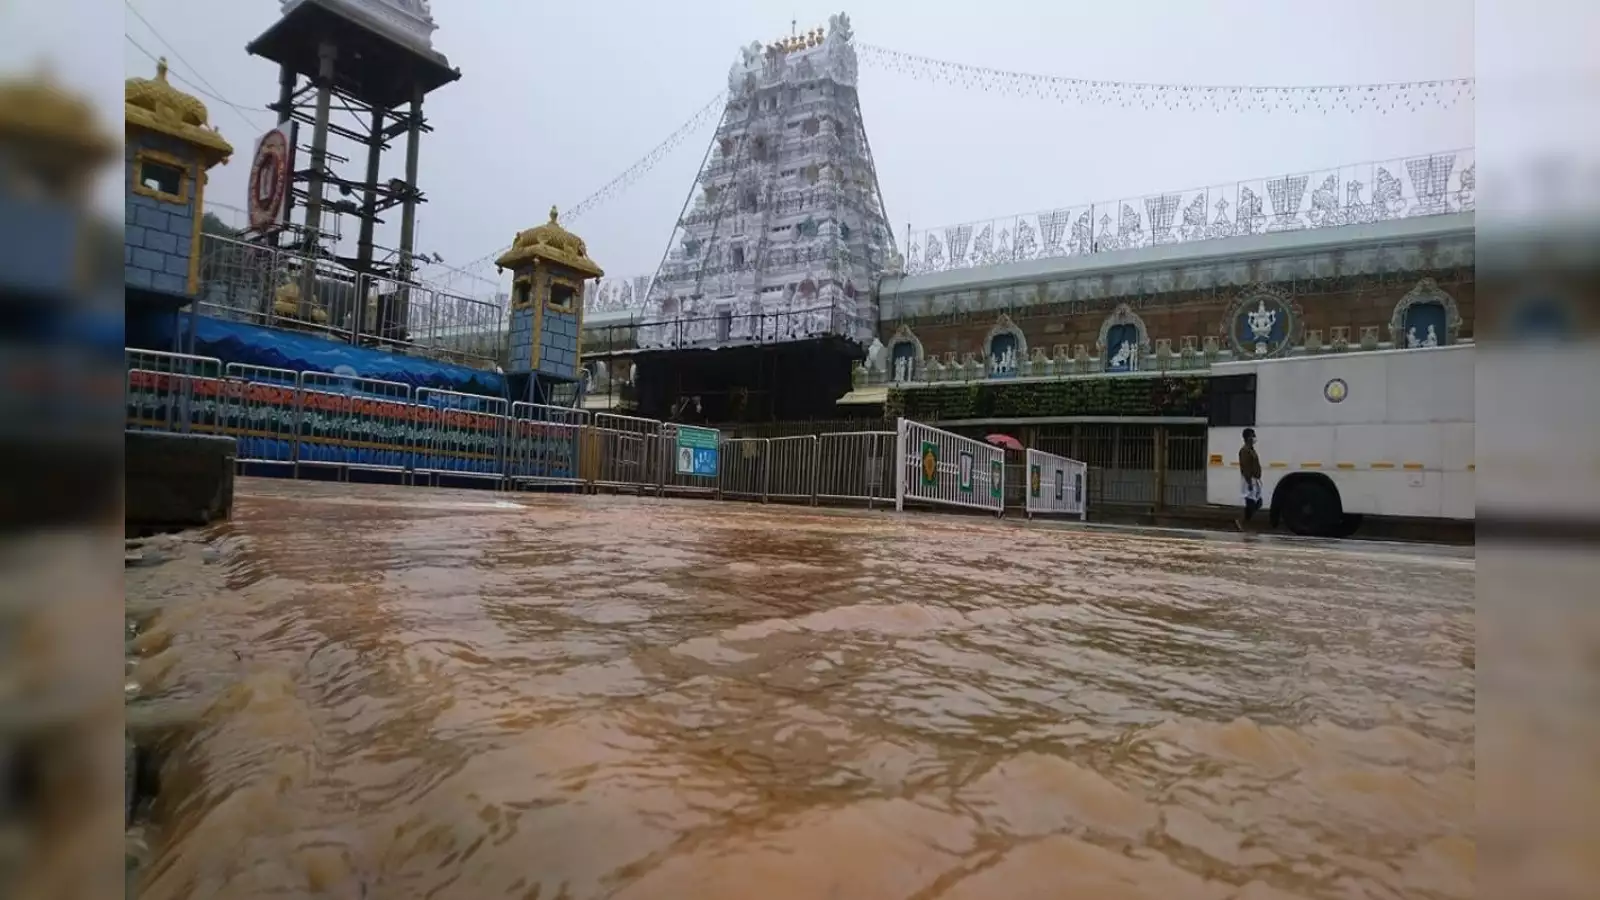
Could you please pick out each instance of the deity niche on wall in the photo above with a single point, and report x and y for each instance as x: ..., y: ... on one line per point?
x: 1425, y: 325
x: 1003, y: 354
x: 903, y: 363
x: 1425, y: 317
x: 1122, y: 348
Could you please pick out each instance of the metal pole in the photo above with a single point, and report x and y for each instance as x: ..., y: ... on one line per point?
x: 286, y: 85
x: 408, y: 214
x: 327, y: 53
x: 369, y: 207
x: 899, y: 464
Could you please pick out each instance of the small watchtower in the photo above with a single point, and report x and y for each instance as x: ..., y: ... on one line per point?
x: 170, y: 147
x: 549, y: 265
x: 50, y: 149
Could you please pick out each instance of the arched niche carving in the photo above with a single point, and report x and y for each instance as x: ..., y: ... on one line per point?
x: 1005, y: 346
x: 1122, y: 325
x: 905, y: 345
x: 1427, y: 293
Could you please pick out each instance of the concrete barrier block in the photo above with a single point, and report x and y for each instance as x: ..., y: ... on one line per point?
x: 178, y: 480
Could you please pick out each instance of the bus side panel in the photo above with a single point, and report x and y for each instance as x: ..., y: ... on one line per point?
x: 1398, y: 441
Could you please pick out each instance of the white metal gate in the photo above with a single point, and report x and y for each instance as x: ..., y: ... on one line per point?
x: 1056, y: 486
x: 942, y: 468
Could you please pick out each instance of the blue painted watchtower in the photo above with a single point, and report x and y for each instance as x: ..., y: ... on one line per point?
x: 549, y: 265
x: 170, y: 146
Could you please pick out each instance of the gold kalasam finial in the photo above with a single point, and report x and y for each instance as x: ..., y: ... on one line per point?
x: 161, y: 69
x: 552, y: 214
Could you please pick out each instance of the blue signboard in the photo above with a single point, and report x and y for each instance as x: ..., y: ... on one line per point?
x: 697, y: 451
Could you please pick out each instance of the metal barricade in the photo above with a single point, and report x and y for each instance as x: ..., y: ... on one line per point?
x: 1056, y: 486
x: 181, y: 404
x: 942, y: 468
x: 856, y: 466
x: 348, y: 422
x: 546, y: 445
x: 791, y: 468
x: 627, y: 452
x: 676, y: 460
x: 742, y: 472
x: 261, y: 410
x: 180, y: 363
x: 173, y: 401
x: 459, y: 434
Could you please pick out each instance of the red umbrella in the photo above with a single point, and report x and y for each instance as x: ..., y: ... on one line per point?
x: 1005, y: 440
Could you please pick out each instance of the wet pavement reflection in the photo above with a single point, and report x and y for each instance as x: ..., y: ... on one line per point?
x: 402, y: 693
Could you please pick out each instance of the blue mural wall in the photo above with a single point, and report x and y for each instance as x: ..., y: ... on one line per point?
x: 239, y: 342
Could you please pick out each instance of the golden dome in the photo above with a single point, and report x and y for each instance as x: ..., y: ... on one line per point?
x: 37, y: 110
x: 551, y: 243
x: 155, y: 105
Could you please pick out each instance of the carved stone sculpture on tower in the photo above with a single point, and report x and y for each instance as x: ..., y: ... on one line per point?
x: 817, y: 218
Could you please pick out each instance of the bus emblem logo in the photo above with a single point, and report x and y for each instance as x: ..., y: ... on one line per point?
x: 1335, y: 390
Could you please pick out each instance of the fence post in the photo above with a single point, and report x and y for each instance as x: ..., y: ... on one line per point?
x: 1161, y: 467
x: 814, y: 466
x: 899, y: 463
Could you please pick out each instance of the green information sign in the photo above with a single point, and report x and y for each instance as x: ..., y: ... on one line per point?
x: 697, y: 451
x: 997, y: 477
x: 1033, y: 481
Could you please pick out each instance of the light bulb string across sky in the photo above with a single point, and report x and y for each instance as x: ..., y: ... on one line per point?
x: 1381, y: 96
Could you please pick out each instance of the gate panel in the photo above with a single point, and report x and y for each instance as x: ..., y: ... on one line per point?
x: 1055, y: 485
x: 792, y: 468
x: 459, y: 434
x: 856, y: 466
x: 942, y: 468
x: 262, y: 412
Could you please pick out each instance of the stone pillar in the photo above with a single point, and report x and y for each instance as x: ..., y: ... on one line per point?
x: 326, y: 54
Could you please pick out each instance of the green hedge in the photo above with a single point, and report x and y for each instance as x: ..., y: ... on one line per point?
x: 1165, y: 396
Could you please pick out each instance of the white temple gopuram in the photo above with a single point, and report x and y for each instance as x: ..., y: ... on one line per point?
x: 786, y: 228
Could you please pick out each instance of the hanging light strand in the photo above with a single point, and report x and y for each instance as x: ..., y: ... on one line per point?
x: 709, y: 112
x: 1386, y: 97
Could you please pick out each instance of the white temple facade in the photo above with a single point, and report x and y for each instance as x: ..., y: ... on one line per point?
x: 786, y: 230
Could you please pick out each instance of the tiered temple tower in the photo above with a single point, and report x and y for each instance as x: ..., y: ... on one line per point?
x: 786, y: 228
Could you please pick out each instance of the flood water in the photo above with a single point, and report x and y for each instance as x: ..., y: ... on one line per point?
x: 405, y: 693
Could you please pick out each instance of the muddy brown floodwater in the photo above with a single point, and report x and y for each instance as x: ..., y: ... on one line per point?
x: 404, y: 693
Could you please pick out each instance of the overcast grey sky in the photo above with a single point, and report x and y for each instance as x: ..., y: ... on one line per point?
x: 557, y: 99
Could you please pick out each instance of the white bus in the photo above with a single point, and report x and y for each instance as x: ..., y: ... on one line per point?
x: 1347, y: 435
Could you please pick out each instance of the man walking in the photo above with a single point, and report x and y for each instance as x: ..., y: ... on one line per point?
x: 1249, y: 476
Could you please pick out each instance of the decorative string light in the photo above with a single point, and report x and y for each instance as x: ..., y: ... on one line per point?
x: 710, y: 111
x: 1384, y: 97
x: 1396, y: 96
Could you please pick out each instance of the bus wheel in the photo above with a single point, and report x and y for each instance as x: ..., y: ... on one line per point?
x: 1349, y: 524
x: 1312, y: 509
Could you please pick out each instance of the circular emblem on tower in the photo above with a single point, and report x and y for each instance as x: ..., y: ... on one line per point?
x: 1261, y: 324
x: 1335, y: 390
x: 269, y: 179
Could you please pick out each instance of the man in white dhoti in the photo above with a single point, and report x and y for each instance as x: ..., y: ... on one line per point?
x: 1249, y: 476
